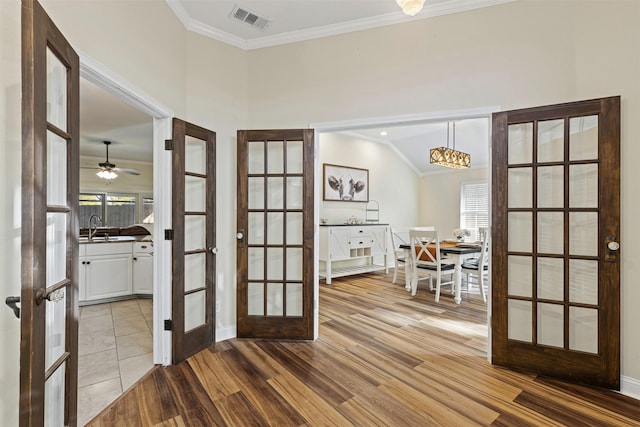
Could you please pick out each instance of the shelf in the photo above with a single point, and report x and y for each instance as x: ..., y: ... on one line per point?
x: 349, y: 270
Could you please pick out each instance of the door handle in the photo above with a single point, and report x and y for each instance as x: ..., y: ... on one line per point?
x: 240, y: 237
x: 12, y: 303
x: 213, y: 250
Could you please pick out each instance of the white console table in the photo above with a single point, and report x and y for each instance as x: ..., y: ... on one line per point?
x: 351, y: 249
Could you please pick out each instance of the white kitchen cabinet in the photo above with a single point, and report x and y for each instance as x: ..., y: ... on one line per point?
x: 143, y: 268
x: 105, y: 270
x: 352, y: 249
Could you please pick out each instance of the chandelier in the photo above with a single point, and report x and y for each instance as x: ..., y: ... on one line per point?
x: 450, y: 158
x: 410, y: 7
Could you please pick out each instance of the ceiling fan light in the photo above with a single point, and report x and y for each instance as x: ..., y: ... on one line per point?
x: 410, y: 7
x: 107, y: 174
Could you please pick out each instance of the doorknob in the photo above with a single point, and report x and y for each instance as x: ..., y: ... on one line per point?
x: 53, y: 296
x: 12, y: 303
x: 213, y: 250
x: 240, y: 235
x: 612, y: 247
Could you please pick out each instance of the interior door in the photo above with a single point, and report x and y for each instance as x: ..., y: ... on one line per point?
x: 556, y: 227
x: 275, y: 264
x: 50, y: 176
x: 194, y: 238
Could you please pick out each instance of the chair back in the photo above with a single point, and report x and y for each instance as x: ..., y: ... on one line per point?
x: 425, y: 245
x: 399, y: 236
x: 483, y: 259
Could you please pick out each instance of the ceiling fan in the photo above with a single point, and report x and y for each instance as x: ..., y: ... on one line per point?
x: 107, y: 170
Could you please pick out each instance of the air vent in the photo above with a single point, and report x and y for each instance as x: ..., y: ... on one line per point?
x: 249, y: 18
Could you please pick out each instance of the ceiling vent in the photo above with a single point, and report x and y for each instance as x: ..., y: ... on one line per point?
x: 249, y: 18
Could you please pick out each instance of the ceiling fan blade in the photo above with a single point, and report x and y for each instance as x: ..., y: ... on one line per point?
x: 130, y: 171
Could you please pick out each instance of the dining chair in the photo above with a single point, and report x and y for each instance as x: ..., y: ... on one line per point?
x: 399, y: 236
x: 426, y: 256
x: 476, y: 269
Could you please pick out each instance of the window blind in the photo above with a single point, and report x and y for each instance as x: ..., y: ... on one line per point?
x: 474, y: 206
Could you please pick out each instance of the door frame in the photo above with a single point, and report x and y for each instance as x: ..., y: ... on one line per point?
x: 408, y: 119
x: 103, y: 77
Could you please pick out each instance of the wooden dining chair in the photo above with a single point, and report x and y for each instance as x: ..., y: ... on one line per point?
x: 426, y: 256
x: 476, y: 269
x: 399, y: 236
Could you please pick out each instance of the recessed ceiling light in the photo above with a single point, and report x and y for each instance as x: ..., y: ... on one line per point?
x: 383, y: 133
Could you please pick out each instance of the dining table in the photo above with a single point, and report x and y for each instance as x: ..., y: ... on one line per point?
x: 454, y: 253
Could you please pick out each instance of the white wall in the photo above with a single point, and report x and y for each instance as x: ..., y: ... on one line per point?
x: 392, y: 183
x: 440, y: 197
x: 515, y: 55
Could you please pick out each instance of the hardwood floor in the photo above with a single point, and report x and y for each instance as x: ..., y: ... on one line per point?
x: 383, y: 358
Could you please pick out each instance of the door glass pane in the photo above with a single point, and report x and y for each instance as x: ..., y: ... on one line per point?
x: 194, y: 271
x: 255, y: 302
x: 194, y: 310
x: 56, y: 248
x: 583, y: 140
x: 520, y: 231
x: 583, y: 329
x: 256, y: 193
x: 256, y: 157
x: 583, y: 186
x: 551, y: 187
x: 583, y: 281
x: 294, y: 264
x: 275, y: 306
x: 256, y: 228
x: 56, y: 91
x: 54, y: 398
x: 294, y: 299
x: 194, y: 232
x: 275, y: 193
x: 255, y: 270
x: 550, y: 278
x: 275, y: 228
x: 56, y: 170
x: 274, y: 264
x: 550, y: 232
x: 294, y: 193
x: 519, y: 320
x: 294, y: 228
x: 294, y: 157
x: 55, y: 328
x: 275, y: 157
x: 551, y: 324
x: 520, y: 143
x: 195, y: 194
x: 583, y: 233
x: 195, y: 155
x: 520, y: 274
x: 551, y: 141
x: 520, y: 188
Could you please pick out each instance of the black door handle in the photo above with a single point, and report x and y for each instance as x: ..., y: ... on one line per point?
x: 12, y: 303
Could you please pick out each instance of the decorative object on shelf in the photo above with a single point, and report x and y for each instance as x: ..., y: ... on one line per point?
x: 352, y: 220
x: 461, y: 233
x: 410, y: 7
x: 344, y: 183
x: 450, y: 158
x: 372, y: 212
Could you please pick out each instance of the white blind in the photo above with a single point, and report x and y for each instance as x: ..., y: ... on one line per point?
x: 474, y: 206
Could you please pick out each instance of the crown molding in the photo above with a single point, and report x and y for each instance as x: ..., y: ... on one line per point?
x: 429, y: 11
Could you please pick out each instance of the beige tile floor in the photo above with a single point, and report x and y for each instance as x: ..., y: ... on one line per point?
x: 114, y: 351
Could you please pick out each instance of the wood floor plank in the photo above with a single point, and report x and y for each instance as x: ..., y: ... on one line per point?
x: 383, y: 358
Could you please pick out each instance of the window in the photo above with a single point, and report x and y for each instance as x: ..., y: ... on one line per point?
x: 121, y: 210
x: 474, y: 206
x: 90, y: 204
x: 115, y: 209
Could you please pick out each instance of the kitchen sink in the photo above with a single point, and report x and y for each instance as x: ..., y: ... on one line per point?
x: 103, y: 239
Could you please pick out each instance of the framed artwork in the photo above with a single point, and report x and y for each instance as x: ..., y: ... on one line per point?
x: 345, y: 184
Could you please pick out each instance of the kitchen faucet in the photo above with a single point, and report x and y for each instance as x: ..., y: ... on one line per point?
x: 97, y: 220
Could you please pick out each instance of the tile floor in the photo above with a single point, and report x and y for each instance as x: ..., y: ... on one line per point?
x: 115, y: 350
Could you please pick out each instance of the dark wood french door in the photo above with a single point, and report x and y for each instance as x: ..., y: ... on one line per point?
x: 275, y: 264
x: 194, y: 238
x: 555, y: 240
x: 50, y: 176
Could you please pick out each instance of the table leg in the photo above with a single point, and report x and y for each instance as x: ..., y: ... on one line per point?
x: 457, y: 280
x: 408, y: 270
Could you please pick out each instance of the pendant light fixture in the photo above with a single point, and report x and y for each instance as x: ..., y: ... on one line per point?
x: 450, y: 158
x: 106, y: 168
x: 410, y: 7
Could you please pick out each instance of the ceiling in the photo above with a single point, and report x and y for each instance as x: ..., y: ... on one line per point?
x: 105, y: 117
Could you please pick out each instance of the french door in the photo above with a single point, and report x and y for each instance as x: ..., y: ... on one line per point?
x: 555, y: 240
x: 275, y: 264
x: 194, y: 238
x: 50, y: 176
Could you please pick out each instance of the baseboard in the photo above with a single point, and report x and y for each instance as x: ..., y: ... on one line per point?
x: 227, y: 333
x: 630, y: 387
